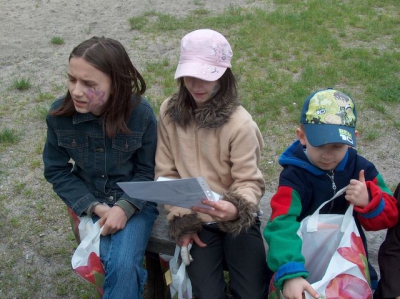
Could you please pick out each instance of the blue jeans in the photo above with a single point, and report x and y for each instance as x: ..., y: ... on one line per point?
x: 122, y: 255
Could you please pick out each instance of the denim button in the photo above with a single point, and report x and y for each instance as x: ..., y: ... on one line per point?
x: 100, y: 150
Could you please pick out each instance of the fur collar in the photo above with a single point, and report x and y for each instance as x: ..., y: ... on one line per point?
x: 213, y: 115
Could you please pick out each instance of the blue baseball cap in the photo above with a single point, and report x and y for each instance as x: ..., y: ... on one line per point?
x: 329, y: 116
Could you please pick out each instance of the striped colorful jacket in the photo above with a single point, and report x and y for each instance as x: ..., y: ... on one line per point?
x: 303, y: 187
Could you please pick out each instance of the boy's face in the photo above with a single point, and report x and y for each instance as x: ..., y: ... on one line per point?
x: 327, y: 156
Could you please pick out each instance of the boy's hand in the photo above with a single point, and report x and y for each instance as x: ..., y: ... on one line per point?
x: 294, y: 288
x: 357, y: 191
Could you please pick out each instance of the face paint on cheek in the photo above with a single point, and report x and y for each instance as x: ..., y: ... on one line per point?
x: 95, y: 98
x: 214, y: 90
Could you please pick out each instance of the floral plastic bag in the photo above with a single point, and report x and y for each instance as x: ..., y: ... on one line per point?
x: 335, y: 256
x: 86, y: 258
x: 74, y: 220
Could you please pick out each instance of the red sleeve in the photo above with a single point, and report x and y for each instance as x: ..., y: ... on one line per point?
x: 381, y: 212
x: 281, y: 201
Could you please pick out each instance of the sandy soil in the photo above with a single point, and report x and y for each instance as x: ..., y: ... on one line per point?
x: 26, y: 28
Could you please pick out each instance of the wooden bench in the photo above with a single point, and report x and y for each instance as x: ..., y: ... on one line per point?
x: 160, y: 244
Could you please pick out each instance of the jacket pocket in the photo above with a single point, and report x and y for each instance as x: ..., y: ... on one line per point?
x: 125, y: 146
x: 77, y: 145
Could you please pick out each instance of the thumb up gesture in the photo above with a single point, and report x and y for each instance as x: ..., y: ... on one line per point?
x: 357, y: 192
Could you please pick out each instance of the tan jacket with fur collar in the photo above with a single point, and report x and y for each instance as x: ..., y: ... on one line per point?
x: 223, y: 145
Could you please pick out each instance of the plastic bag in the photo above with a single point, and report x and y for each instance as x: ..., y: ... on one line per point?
x: 180, y: 287
x: 86, y: 258
x: 335, y: 256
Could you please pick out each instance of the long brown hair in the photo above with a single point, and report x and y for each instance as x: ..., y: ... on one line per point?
x: 110, y: 57
x: 226, y: 95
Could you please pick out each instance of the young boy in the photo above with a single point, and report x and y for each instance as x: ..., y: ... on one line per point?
x: 322, y: 161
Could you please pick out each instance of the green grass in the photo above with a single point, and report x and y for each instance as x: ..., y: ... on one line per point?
x: 280, y: 56
x: 41, y: 111
x: 57, y: 40
x: 21, y: 84
x: 137, y: 23
x: 45, y: 97
x: 301, y: 47
x: 8, y: 136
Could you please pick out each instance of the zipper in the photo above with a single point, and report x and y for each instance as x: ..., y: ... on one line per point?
x: 332, y: 178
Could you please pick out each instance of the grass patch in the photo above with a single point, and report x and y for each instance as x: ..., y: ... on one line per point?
x: 283, y: 55
x: 8, y: 136
x: 137, y: 23
x: 21, y: 84
x: 45, y: 97
x: 41, y: 111
x: 302, y: 47
x: 57, y: 40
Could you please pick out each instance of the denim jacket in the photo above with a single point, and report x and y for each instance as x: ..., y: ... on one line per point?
x: 84, y: 165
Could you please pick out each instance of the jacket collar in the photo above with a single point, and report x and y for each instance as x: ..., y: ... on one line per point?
x: 83, y: 117
x: 213, y: 115
x: 294, y: 155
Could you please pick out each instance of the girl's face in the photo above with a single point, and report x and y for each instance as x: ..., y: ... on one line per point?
x: 201, y: 91
x: 90, y: 88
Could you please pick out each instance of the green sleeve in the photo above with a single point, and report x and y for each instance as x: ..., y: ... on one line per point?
x: 284, y: 252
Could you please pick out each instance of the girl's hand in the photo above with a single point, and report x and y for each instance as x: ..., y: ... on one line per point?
x: 113, y: 220
x: 101, y: 209
x: 187, y: 239
x: 357, y: 191
x: 185, y: 254
x: 220, y: 211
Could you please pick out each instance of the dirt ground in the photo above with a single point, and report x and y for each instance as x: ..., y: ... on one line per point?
x: 26, y: 28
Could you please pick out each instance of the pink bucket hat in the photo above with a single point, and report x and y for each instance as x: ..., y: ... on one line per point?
x: 205, y: 54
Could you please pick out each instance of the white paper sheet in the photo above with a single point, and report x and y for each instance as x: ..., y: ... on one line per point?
x: 184, y: 193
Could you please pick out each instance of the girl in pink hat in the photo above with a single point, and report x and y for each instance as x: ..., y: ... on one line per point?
x: 203, y: 130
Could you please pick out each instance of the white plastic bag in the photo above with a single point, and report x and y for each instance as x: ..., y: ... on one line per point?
x: 335, y: 255
x: 86, y: 226
x: 181, y: 287
x: 86, y: 258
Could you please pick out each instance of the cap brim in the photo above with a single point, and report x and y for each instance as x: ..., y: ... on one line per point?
x: 201, y: 71
x: 321, y: 134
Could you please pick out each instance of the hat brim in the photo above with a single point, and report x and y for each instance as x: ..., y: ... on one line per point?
x: 201, y: 71
x: 321, y: 134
